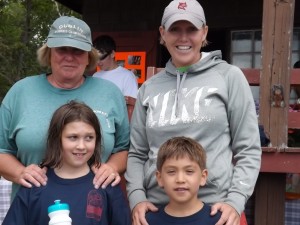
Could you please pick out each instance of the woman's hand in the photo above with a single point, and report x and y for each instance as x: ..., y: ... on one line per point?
x: 229, y: 214
x: 32, y: 175
x: 104, y: 175
x: 139, y: 212
x: 110, y: 171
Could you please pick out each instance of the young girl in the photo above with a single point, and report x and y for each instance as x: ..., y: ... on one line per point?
x: 73, y: 145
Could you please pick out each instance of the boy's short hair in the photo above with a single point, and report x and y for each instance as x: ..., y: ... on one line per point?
x: 178, y: 147
x: 105, y: 44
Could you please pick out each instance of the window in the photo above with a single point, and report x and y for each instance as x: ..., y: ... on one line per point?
x: 246, y: 48
x: 246, y: 52
x: 296, y: 46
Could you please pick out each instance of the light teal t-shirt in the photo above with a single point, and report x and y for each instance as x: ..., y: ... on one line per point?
x: 27, y: 108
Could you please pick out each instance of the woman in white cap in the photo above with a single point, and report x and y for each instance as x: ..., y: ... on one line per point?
x: 27, y: 108
x: 200, y: 96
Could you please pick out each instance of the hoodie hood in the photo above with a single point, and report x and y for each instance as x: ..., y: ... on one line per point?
x: 210, y: 60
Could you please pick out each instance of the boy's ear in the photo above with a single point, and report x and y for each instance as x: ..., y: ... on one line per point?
x: 159, y: 179
x: 113, y: 54
x: 203, y: 179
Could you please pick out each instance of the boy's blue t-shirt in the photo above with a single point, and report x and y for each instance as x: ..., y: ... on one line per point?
x: 201, y: 217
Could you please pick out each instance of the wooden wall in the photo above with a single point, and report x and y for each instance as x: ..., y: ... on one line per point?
x: 134, y: 23
x: 133, y: 15
x: 145, y: 15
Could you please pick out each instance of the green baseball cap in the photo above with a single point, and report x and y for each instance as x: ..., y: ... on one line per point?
x: 70, y: 32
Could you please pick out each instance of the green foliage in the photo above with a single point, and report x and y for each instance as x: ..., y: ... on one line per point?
x: 24, y: 26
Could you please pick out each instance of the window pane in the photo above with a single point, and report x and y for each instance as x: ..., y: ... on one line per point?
x: 257, y: 60
x: 295, y: 57
x: 257, y: 41
x: 255, y: 92
x: 241, y: 41
x: 242, y: 60
x: 296, y: 40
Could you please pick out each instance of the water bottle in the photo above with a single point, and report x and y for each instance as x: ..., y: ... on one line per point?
x: 59, y: 214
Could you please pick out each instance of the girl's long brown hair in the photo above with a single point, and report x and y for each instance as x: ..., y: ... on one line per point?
x: 67, y: 113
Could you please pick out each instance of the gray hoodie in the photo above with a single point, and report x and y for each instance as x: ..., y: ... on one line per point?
x: 211, y: 103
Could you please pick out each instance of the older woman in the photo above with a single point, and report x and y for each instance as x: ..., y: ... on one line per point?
x: 28, y: 106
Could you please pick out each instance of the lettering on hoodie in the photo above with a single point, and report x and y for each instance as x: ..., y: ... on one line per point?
x: 193, y: 106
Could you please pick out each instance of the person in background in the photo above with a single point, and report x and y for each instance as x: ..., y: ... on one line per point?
x: 110, y: 70
x: 73, y: 146
x: 27, y: 108
x: 181, y: 171
x: 297, y: 64
x: 200, y: 96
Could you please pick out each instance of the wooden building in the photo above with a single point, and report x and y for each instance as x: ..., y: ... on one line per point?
x: 260, y: 36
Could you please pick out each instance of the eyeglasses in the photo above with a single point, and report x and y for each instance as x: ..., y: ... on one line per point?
x: 104, y: 56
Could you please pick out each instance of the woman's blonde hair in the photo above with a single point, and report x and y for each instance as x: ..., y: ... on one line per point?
x: 44, y: 55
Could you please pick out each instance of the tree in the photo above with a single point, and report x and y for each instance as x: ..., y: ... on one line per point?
x: 24, y: 26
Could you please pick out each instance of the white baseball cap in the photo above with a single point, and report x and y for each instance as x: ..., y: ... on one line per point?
x: 189, y: 10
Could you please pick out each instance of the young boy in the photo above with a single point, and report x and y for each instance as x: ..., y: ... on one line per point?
x: 181, y: 170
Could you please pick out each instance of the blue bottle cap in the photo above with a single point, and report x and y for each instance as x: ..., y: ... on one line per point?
x: 58, y: 206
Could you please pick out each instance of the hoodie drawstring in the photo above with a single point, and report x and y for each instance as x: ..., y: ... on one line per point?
x: 178, y: 93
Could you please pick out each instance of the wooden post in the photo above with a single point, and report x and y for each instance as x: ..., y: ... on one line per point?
x: 277, y: 30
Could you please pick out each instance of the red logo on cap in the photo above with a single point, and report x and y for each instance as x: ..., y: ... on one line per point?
x: 182, y: 5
